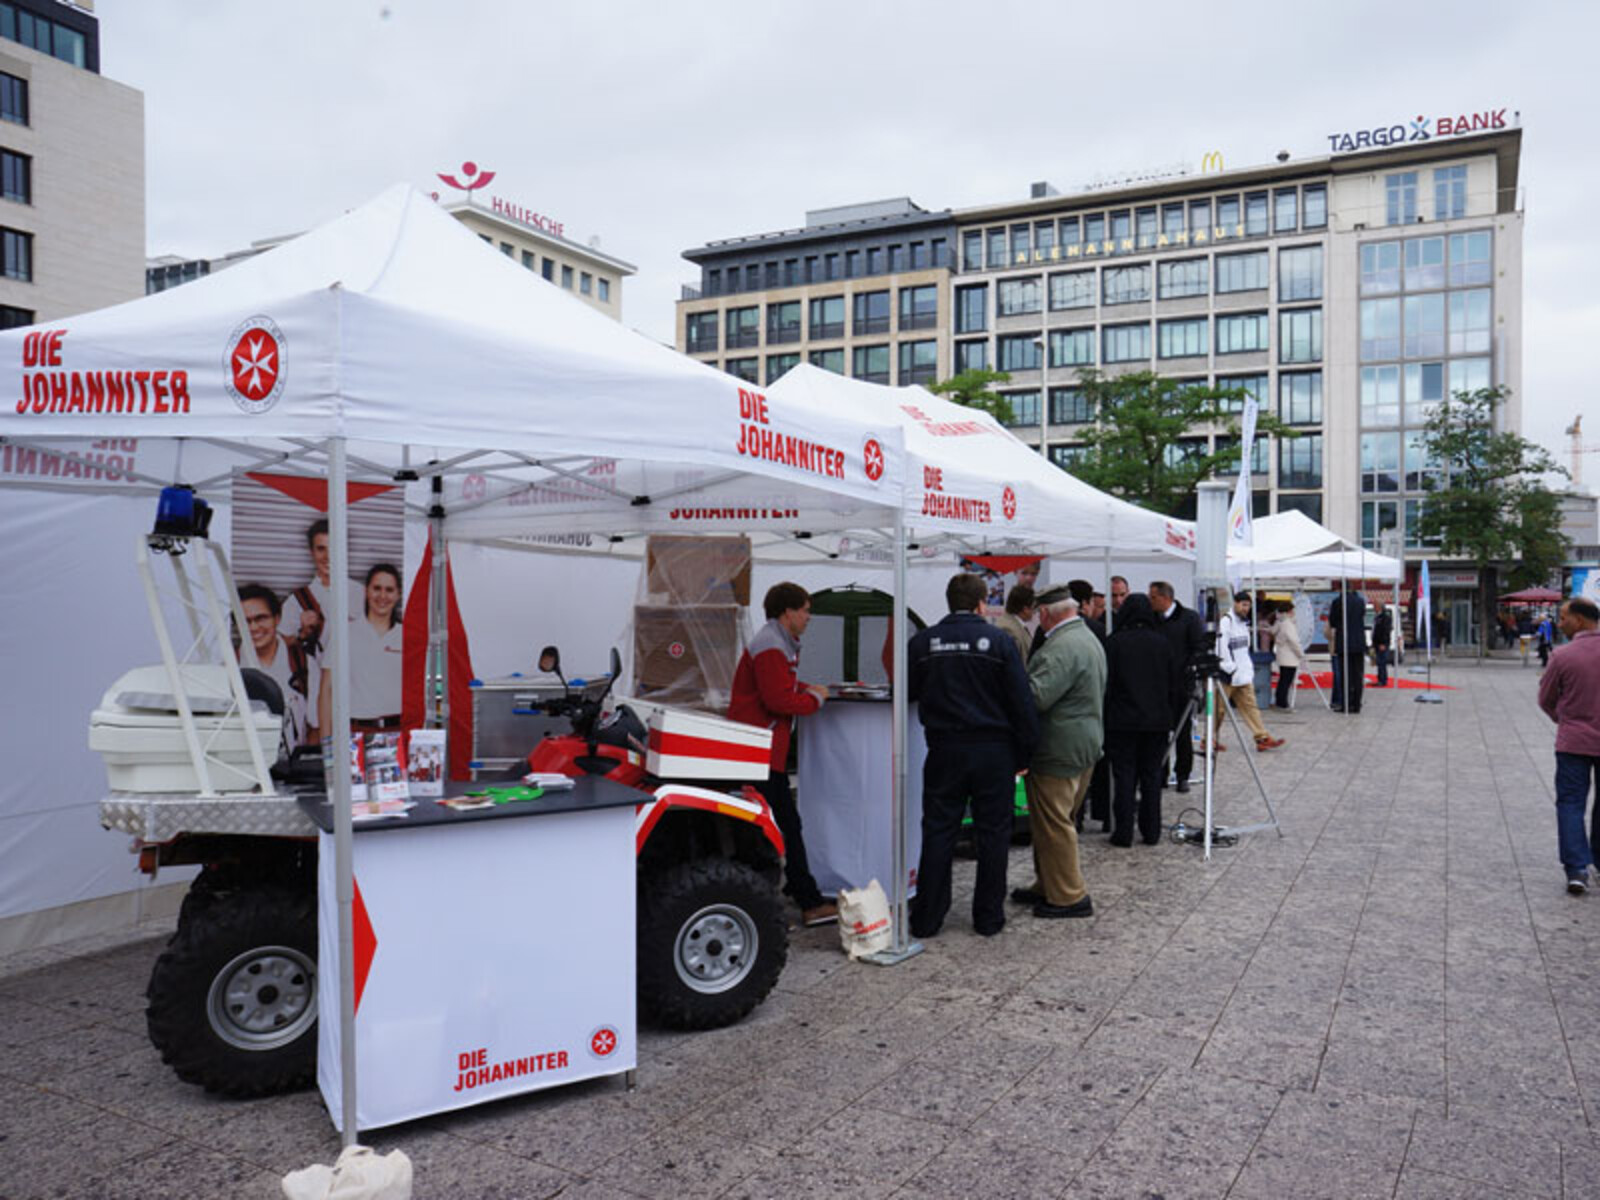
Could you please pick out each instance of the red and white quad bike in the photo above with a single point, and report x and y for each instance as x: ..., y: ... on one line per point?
x: 232, y: 1000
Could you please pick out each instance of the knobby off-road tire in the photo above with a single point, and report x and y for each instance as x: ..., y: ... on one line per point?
x: 712, y: 942
x: 233, y: 1000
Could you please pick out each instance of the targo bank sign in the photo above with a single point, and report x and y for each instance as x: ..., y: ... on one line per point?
x: 1418, y: 129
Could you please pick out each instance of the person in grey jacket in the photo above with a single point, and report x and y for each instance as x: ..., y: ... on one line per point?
x: 1067, y: 675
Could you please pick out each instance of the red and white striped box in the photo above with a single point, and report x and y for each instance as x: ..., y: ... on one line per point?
x: 693, y: 745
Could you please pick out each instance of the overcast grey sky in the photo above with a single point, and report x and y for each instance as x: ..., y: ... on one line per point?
x: 662, y: 126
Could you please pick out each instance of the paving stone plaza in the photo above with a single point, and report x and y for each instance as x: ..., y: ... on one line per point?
x: 1397, y: 998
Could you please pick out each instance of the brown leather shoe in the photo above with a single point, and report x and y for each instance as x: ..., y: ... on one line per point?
x: 1268, y: 743
x: 822, y: 914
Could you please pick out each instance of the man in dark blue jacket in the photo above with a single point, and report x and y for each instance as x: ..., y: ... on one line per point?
x: 1347, y: 627
x: 978, y: 716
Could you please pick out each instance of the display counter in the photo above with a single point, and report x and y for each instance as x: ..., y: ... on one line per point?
x: 846, y: 788
x: 494, y: 950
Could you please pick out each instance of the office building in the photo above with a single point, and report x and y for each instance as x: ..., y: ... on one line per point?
x: 1347, y: 292
x: 71, y: 168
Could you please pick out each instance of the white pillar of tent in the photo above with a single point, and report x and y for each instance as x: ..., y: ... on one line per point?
x: 339, y: 645
x: 901, y: 734
x: 436, y: 679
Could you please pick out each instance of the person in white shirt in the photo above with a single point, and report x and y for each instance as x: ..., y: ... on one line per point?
x: 1233, y: 647
x: 376, y: 653
x: 284, y: 661
x: 307, y: 609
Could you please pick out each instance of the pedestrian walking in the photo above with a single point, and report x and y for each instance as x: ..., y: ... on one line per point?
x: 1067, y: 676
x: 1142, y: 676
x: 1233, y: 648
x: 1569, y: 694
x: 1382, y: 636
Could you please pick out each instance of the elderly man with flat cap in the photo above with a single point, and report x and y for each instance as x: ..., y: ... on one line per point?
x: 1067, y: 676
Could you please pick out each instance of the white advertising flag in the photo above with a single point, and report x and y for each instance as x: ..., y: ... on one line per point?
x: 1425, y: 611
x: 1240, y: 531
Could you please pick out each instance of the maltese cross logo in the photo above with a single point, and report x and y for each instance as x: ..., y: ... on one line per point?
x: 254, y: 365
x: 1008, y: 503
x: 872, y: 459
x: 603, y: 1042
x: 468, y: 170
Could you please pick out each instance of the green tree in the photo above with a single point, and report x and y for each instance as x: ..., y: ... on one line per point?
x: 1146, y: 444
x: 971, y: 389
x: 1492, y: 507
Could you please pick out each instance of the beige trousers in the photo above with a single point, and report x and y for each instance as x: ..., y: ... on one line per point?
x: 1243, y: 700
x: 1053, y: 804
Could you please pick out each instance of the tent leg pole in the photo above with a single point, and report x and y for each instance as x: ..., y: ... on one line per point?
x: 436, y: 705
x: 339, y: 644
x: 901, y: 947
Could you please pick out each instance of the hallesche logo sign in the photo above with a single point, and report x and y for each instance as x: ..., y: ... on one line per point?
x: 1419, y: 129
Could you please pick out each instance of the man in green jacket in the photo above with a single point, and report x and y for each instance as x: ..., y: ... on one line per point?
x: 1067, y: 675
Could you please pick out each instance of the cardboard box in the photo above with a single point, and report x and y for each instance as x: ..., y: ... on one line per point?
x: 682, y: 569
x: 686, y: 655
x: 692, y: 745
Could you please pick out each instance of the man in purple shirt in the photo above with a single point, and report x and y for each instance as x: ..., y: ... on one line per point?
x: 1569, y: 693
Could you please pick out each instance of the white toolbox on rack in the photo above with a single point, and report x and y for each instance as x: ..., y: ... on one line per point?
x: 693, y: 745
x: 139, y: 734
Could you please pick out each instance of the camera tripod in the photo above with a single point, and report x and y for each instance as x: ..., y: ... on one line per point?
x: 1211, y: 833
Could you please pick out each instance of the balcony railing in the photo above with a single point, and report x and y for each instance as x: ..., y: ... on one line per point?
x: 703, y: 345
x: 871, y: 325
x: 909, y: 321
x: 739, y: 339
x: 823, y: 330
x: 783, y: 334
x: 911, y: 375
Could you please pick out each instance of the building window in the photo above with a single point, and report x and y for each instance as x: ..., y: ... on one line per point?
x: 1255, y: 214
x: 1199, y: 218
x: 1242, y: 272
x: 1017, y: 297
x: 13, y: 99
x: 1228, y: 223
x: 1377, y: 518
x: 43, y: 35
x: 1423, y: 472
x: 1470, y: 323
x: 1068, y: 456
x: 996, y: 257
x: 1019, y: 244
x: 972, y: 308
x: 585, y: 283
x: 744, y: 327
x: 1380, y: 268
x: 813, y: 272
x: 1380, y: 462
x: 1122, y: 230
x: 700, y: 333
x: 941, y: 253
x: 508, y: 249
x: 972, y: 356
x: 1125, y: 285
x: 830, y: 266
x: 1300, y: 398
x: 919, y: 308
x: 1019, y: 352
x: 1185, y: 450
x: 1186, y: 277
x: 1414, y: 538
x: 783, y: 323
x: 779, y: 365
x: 566, y: 277
x: 1253, y: 386
x: 852, y: 264
x: 1126, y: 343
x: 605, y: 289
x: 1241, y: 333
x: 871, y: 363
x: 827, y: 317
x: 1300, y: 273
x: 752, y: 277
x: 1072, y: 289
x: 1070, y: 406
x: 1380, y: 329
x: 530, y: 260
x: 1181, y: 339
x: 1449, y: 192
x: 871, y: 313
x: 1424, y: 259
x: 1260, y: 456
x: 1300, y: 461
x: 1145, y: 228
x: 1172, y: 222
x: 1311, y: 505
x: 1285, y: 210
x: 1424, y: 391
x: 1380, y: 396
x: 1044, y: 239
x: 771, y: 274
x: 486, y: 239
x: 1470, y: 258
x: 1315, y: 199
x: 1424, y: 325
x: 917, y: 256
x: 17, y: 249
x: 1469, y: 375
x: 1300, y: 335
x: 1072, y: 347
x: 14, y: 318
x: 16, y: 177
x: 1024, y: 408
x: 874, y: 260
x: 1071, y: 232
x: 919, y: 362
x: 896, y: 258
x: 747, y: 369
x: 548, y: 269
x: 1400, y: 198
x: 829, y: 360
x: 1094, y: 231
x: 972, y: 250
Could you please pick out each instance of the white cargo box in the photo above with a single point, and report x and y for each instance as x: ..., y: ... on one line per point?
x: 693, y: 745
x: 138, y: 732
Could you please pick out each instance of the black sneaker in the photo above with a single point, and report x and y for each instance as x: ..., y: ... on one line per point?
x: 1083, y: 908
x: 1026, y: 896
x: 1576, y: 885
x: 1183, y: 785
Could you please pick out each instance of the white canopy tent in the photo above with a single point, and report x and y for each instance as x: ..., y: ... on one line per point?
x: 391, y: 345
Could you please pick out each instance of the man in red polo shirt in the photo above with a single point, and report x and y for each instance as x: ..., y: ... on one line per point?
x: 768, y: 693
x: 1569, y: 693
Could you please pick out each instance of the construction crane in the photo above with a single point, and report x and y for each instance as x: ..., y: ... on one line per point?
x: 1575, y: 432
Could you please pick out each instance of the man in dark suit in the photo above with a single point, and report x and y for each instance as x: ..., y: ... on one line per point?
x: 1186, y: 634
x: 1347, y: 626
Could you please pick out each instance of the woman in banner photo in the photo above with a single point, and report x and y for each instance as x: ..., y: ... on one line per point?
x: 375, y: 653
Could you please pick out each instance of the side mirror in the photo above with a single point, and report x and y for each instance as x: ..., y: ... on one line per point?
x: 616, y: 664
x: 550, y: 660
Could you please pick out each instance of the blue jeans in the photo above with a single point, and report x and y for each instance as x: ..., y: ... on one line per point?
x: 1383, y: 667
x: 1573, y: 773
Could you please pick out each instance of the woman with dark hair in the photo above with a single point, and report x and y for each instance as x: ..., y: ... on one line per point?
x: 1142, y: 676
x: 376, y: 652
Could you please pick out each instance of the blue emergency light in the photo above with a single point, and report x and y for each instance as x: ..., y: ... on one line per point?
x: 181, y: 514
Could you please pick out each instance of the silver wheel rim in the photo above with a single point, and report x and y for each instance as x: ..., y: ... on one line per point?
x: 716, y: 949
x: 263, y: 999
